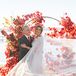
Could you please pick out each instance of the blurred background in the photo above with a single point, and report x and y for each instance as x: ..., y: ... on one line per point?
x: 52, y: 8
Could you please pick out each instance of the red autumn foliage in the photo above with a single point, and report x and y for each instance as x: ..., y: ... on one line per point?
x: 68, y: 29
x: 12, y: 47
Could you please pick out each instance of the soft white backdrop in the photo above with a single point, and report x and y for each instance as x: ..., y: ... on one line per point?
x: 53, y: 8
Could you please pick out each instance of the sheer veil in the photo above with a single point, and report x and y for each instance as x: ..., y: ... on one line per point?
x: 48, y: 57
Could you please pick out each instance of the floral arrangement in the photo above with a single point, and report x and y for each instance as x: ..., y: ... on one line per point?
x: 68, y: 29
x: 16, y: 26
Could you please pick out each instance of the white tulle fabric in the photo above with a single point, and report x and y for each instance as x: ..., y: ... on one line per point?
x: 48, y: 57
